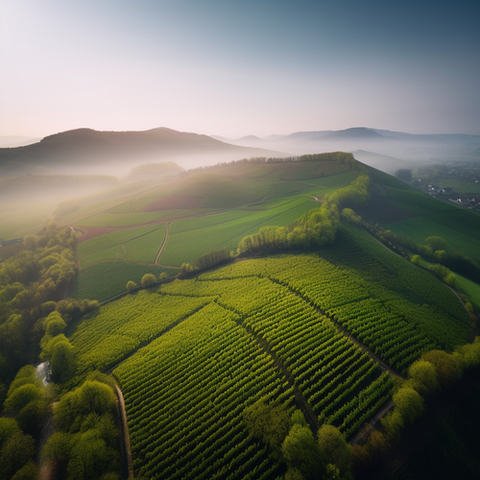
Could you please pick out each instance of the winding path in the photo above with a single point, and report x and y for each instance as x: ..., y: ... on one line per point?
x: 126, y: 436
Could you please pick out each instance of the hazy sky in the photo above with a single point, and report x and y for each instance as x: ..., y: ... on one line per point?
x: 238, y: 67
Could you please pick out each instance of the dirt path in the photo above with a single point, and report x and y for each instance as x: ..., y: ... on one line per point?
x: 163, y: 245
x: 92, y: 232
x: 300, y: 400
x: 126, y: 436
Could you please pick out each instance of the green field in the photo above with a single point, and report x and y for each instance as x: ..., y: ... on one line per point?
x: 108, y: 278
x: 460, y: 228
x: 188, y: 244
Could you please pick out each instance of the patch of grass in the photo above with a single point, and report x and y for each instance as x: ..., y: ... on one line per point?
x: 187, y: 245
x: 458, y: 227
x: 108, y: 240
x: 107, y: 279
x: 122, y: 208
x: 111, y: 253
x: 146, y: 247
x: 135, y: 219
x: 285, y: 188
x: 470, y: 289
x: 230, y: 195
x: 417, y: 203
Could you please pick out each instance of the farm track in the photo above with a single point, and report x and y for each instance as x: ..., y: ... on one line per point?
x: 300, y: 400
x: 126, y: 435
x: 143, y: 344
x: 163, y: 245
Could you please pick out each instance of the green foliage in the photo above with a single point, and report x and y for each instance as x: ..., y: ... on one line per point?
x: 131, y: 285
x: 148, y: 280
x: 92, y: 397
x: 54, y: 324
x: 29, y: 471
x: 31, y: 282
x: 8, y: 428
x: 207, y: 260
x: 409, y: 404
x: 21, y: 396
x: 446, y: 365
x: 85, y: 446
x: 301, y: 452
x: 268, y: 423
x: 415, y: 259
x: 62, y: 362
x: 334, y: 449
x: 422, y: 377
x: 313, y: 229
x: 15, y: 454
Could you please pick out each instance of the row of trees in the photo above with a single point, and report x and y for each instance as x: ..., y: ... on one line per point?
x: 210, y: 259
x: 290, y: 439
x: 313, y: 229
x: 434, y: 372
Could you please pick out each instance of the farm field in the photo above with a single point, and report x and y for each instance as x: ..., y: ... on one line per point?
x: 286, y: 328
x: 225, y: 203
x: 458, y: 227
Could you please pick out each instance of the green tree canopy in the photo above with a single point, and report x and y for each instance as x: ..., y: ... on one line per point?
x: 409, y: 404
x: 22, y: 396
x: 15, y: 453
x: 62, y: 362
x: 446, y: 365
x: 269, y: 423
x: 54, y: 324
x: 436, y: 243
x: 334, y: 448
x: 8, y: 427
x: 301, y: 452
x: 148, y: 279
x: 423, y: 377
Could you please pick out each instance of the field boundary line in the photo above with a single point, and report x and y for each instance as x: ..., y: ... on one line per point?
x: 300, y: 400
x: 383, y: 365
x: 145, y: 343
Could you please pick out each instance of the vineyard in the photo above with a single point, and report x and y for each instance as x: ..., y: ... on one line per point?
x: 298, y: 330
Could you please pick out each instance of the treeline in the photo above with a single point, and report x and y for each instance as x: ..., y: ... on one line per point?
x: 435, y: 249
x: 313, y: 229
x: 208, y: 260
x: 307, y: 455
x: 342, y: 158
x: 435, y: 372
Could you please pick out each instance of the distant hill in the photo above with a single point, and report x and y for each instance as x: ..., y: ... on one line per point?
x: 400, y: 145
x: 75, y: 150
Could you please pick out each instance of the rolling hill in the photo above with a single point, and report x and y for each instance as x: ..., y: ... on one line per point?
x: 85, y: 149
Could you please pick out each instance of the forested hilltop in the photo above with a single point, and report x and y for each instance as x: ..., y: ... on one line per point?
x: 254, y: 317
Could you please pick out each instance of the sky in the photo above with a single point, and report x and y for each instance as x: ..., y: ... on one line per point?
x: 239, y: 67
